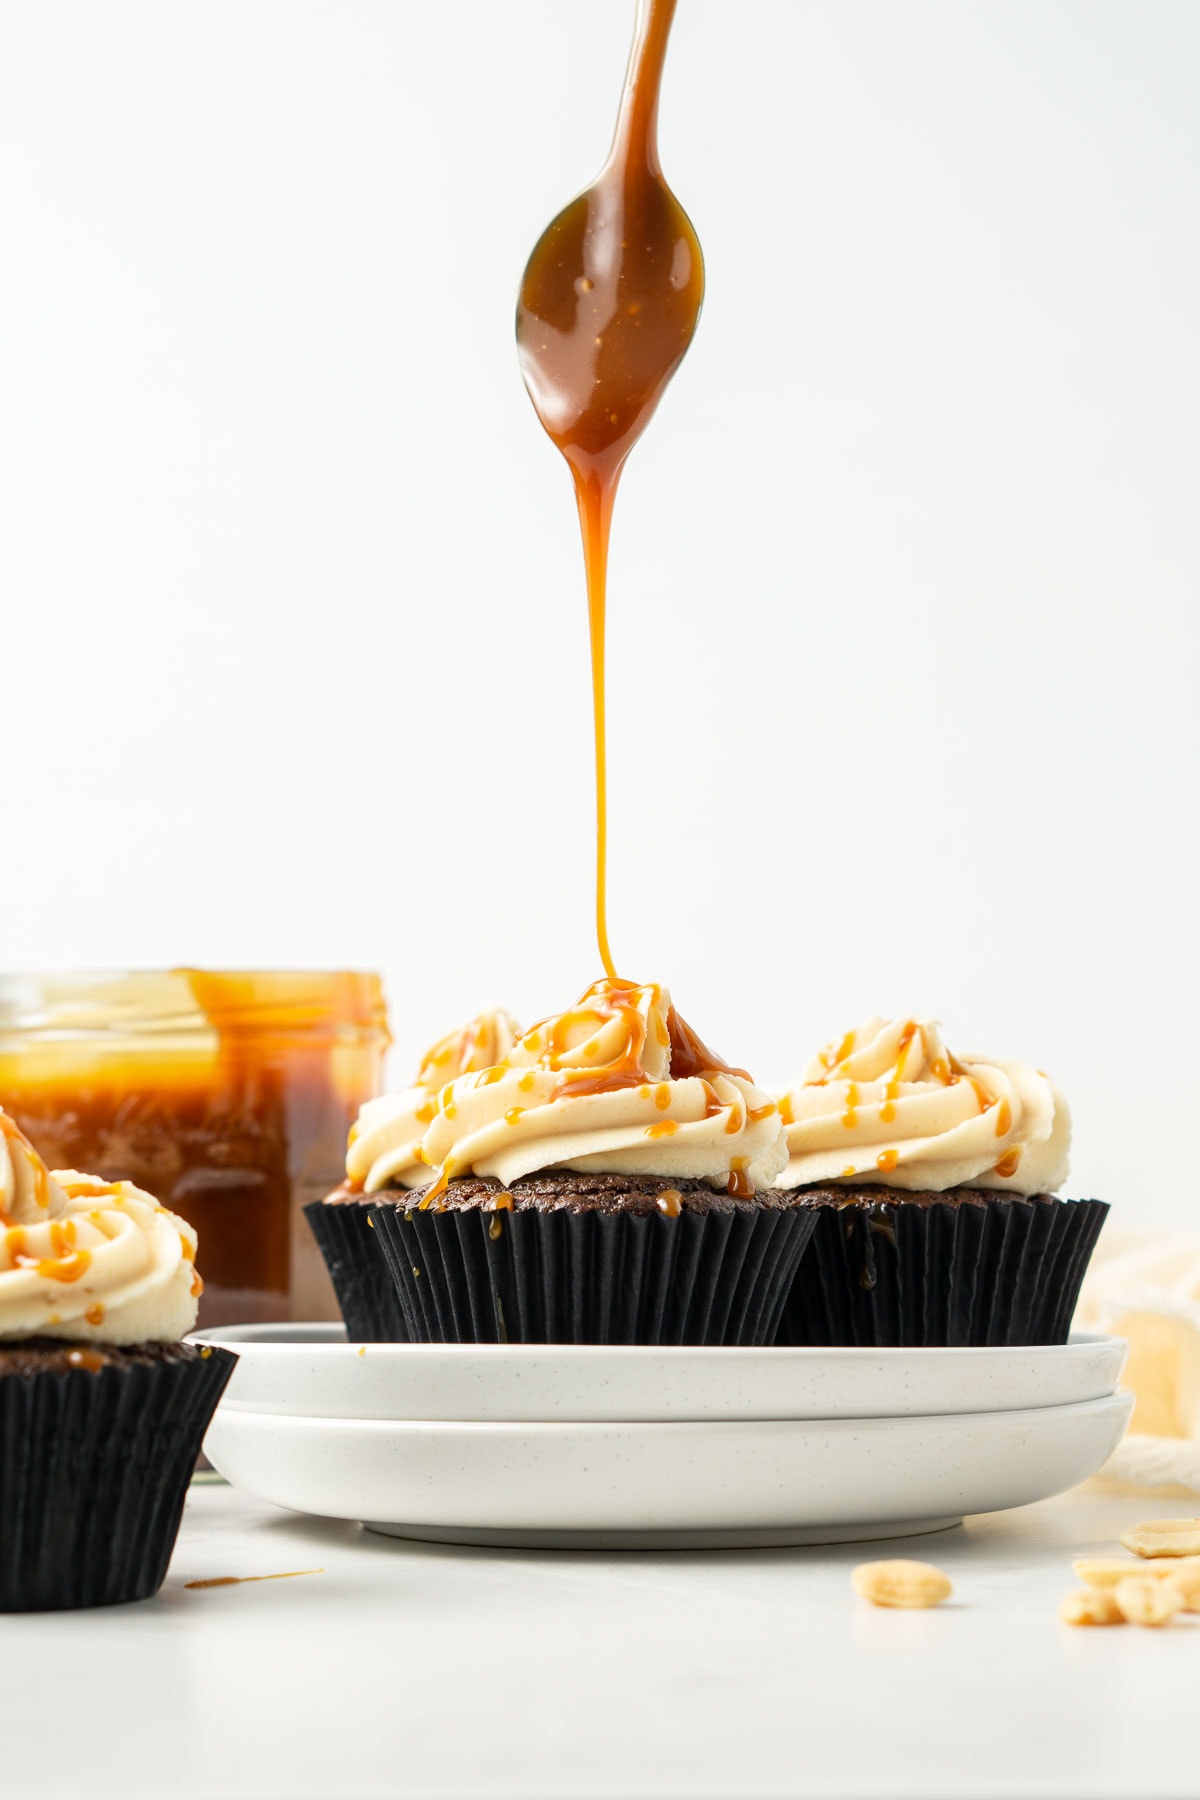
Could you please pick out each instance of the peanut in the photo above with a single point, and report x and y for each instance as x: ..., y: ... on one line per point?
x: 1091, y: 1606
x: 1164, y: 1537
x: 901, y: 1583
x: 1145, y: 1600
x: 1106, y: 1571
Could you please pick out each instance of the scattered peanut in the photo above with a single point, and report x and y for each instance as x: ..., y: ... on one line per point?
x: 1146, y: 1600
x: 1106, y: 1571
x: 901, y: 1583
x: 1164, y: 1537
x: 1091, y: 1606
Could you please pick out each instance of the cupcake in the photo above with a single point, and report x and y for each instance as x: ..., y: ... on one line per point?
x: 607, y: 1181
x: 933, y: 1183
x: 102, y: 1409
x: 385, y: 1151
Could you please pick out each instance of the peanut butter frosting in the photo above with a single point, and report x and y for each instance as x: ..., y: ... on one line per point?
x: 88, y: 1260
x: 619, y: 1084
x: 385, y: 1141
x: 891, y: 1104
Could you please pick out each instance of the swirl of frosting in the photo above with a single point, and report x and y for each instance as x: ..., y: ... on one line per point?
x: 91, y: 1261
x: 619, y: 1084
x: 384, y: 1148
x: 890, y: 1104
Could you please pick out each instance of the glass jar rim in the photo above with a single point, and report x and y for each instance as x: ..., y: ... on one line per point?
x: 74, y: 1005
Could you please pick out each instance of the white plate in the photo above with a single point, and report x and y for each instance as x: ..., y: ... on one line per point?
x: 677, y: 1485
x: 311, y: 1370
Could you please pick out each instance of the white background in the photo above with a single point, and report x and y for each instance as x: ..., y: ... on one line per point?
x: 905, y: 575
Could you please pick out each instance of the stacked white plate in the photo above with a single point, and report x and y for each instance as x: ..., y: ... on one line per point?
x: 599, y: 1446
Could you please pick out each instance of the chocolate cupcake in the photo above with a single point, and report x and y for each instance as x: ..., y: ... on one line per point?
x: 932, y: 1183
x: 102, y: 1410
x: 384, y: 1150
x: 606, y: 1182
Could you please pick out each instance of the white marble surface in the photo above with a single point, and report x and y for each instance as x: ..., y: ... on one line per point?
x: 415, y: 1670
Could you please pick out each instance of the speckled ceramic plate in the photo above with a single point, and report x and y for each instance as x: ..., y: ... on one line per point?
x: 677, y: 1485
x: 311, y: 1370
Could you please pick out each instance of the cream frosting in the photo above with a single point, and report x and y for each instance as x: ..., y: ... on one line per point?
x: 88, y: 1260
x: 891, y: 1104
x: 385, y: 1141
x: 618, y: 1083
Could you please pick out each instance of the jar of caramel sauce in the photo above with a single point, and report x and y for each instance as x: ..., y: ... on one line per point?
x: 227, y: 1096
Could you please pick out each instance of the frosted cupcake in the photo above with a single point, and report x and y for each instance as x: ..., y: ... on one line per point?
x: 607, y: 1181
x: 102, y: 1408
x: 933, y: 1180
x: 384, y: 1151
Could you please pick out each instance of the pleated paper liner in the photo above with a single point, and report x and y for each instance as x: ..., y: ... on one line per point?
x: 568, y: 1276
x: 996, y: 1269
x: 94, y: 1471
x: 361, y: 1279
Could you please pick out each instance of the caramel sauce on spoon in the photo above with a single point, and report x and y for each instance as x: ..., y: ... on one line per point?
x: 609, y: 303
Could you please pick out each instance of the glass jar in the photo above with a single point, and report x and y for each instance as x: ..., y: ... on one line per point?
x: 227, y: 1096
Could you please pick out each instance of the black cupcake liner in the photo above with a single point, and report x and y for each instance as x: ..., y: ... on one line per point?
x: 94, y: 1471
x: 890, y: 1273
x: 589, y: 1277
x: 361, y: 1280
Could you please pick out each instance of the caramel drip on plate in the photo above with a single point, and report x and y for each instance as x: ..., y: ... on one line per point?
x: 608, y: 305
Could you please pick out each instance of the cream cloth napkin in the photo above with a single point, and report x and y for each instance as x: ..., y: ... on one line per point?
x: 1147, y: 1289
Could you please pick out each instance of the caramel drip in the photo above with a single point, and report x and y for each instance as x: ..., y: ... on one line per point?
x: 887, y: 1160
x: 1008, y: 1163
x: 1003, y: 1118
x: 41, y: 1174
x: 850, y: 1116
x: 664, y: 1128
x: 197, y: 1287
x: 689, y: 1056
x: 216, y: 1581
x: 981, y: 1094
x: 739, y: 1184
x: 608, y: 305
x: 91, y: 1360
x: 906, y: 1038
x: 95, y: 1315
x: 670, y: 1202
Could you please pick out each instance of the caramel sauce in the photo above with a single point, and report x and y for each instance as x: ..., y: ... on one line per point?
x: 981, y: 1094
x: 1008, y: 1163
x: 71, y: 1267
x: 670, y: 1202
x: 662, y: 1095
x: 887, y: 1160
x: 664, y: 1128
x: 608, y: 305
x: 1003, y: 1118
x: 91, y: 1360
x: 41, y: 1174
x: 786, y: 1112
x: 513, y: 1114
x: 887, y: 1113
x: 495, y: 1227
x: 215, y: 1581
x: 95, y: 1315
x: 739, y: 1184
x: 234, y: 1123
x: 850, y: 1116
